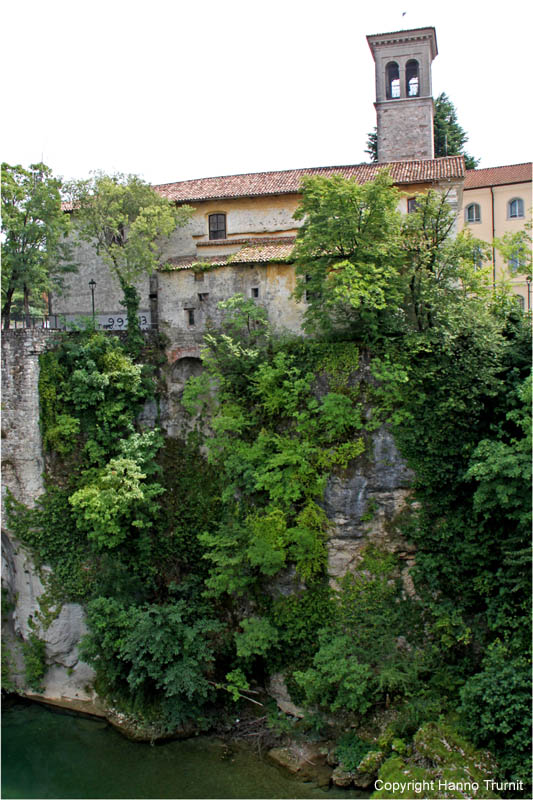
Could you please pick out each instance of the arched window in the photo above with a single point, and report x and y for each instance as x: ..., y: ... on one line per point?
x: 412, y: 83
x: 217, y: 226
x: 517, y: 262
x: 392, y: 75
x: 473, y: 213
x: 515, y: 208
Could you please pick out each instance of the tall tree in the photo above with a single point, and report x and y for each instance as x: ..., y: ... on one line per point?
x: 35, y: 250
x: 449, y: 137
x: 126, y: 221
x: 372, y: 145
x: 366, y: 270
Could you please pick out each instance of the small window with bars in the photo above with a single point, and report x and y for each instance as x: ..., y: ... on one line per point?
x: 217, y: 226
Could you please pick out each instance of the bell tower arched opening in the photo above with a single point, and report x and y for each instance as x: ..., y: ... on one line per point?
x: 412, y: 78
x: 392, y: 78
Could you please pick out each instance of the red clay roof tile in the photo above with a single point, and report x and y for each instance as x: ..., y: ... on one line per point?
x: 255, y: 251
x: 258, y: 184
x: 497, y: 176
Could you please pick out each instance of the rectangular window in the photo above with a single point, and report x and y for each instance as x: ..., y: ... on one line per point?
x: 217, y: 226
x: 255, y: 291
x: 202, y: 296
x: 412, y: 204
x: 198, y: 276
x: 190, y: 315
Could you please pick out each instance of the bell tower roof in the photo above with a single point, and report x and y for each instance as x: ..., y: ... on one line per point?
x: 376, y: 40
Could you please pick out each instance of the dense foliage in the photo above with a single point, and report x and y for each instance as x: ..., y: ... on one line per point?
x: 35, y: 250
x: 205, y: 575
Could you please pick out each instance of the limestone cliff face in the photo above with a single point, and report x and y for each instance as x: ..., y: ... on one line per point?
x: 361, y: 503
x: 67, y: 680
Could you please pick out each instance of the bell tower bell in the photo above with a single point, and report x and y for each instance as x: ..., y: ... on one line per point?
x: 404, y: 102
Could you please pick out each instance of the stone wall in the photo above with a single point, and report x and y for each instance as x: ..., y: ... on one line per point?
x: 180, y: 291
x: 76, y: 298
x: 405, y: 129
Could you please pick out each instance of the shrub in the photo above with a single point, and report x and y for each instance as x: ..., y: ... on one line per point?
x: 496, y: 709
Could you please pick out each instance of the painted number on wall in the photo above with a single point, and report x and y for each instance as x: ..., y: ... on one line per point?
x: 118, y: 322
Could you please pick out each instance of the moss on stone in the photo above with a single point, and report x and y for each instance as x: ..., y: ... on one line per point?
x: 445, y: 764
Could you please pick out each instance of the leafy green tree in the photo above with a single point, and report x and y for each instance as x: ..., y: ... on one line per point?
x: 35, y: 251
x: 126, y: 221
x: 348, y: 253
x: 449, y: 137
x: 440, y: 271
x: 367, y: 272
x: 517, y: 250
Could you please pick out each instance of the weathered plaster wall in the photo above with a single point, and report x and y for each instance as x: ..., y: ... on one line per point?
x: 67, y: 678
x: 180, y: 291
x: 76, y: 298
x: 245, y: 216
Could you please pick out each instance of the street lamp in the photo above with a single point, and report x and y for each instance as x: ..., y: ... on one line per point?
x: 92, y: 284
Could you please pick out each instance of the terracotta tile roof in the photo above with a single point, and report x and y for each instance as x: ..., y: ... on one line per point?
x: 258, y: 184
x: 255, y: 251
x: 497, y: 176
x: 252, y: 240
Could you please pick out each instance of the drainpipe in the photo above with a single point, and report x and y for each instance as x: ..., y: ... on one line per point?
x: 493, y: 236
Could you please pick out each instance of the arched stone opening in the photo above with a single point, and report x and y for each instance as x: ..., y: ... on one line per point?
x: 392, y: 77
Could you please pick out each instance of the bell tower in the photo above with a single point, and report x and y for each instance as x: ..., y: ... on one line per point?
x: 404, y: 102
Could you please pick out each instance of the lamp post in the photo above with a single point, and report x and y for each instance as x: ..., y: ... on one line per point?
x: 92, y: 284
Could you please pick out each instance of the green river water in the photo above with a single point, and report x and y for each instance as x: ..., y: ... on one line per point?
x: 46, y: 754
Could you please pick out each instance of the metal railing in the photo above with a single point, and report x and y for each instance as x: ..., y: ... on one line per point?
x: 53, y: 322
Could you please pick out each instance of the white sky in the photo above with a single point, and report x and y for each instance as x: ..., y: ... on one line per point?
x: 194, y: 88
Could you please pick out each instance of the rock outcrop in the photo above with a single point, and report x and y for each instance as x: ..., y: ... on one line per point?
x: 67, y: 681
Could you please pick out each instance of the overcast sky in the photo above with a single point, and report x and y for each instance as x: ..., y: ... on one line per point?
x: 195, y: 88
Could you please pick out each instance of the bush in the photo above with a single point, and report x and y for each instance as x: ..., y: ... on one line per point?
x: 496, y: 709
x: 34, y: 651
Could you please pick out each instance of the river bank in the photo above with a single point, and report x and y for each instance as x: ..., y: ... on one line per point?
x: 50, y: 754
